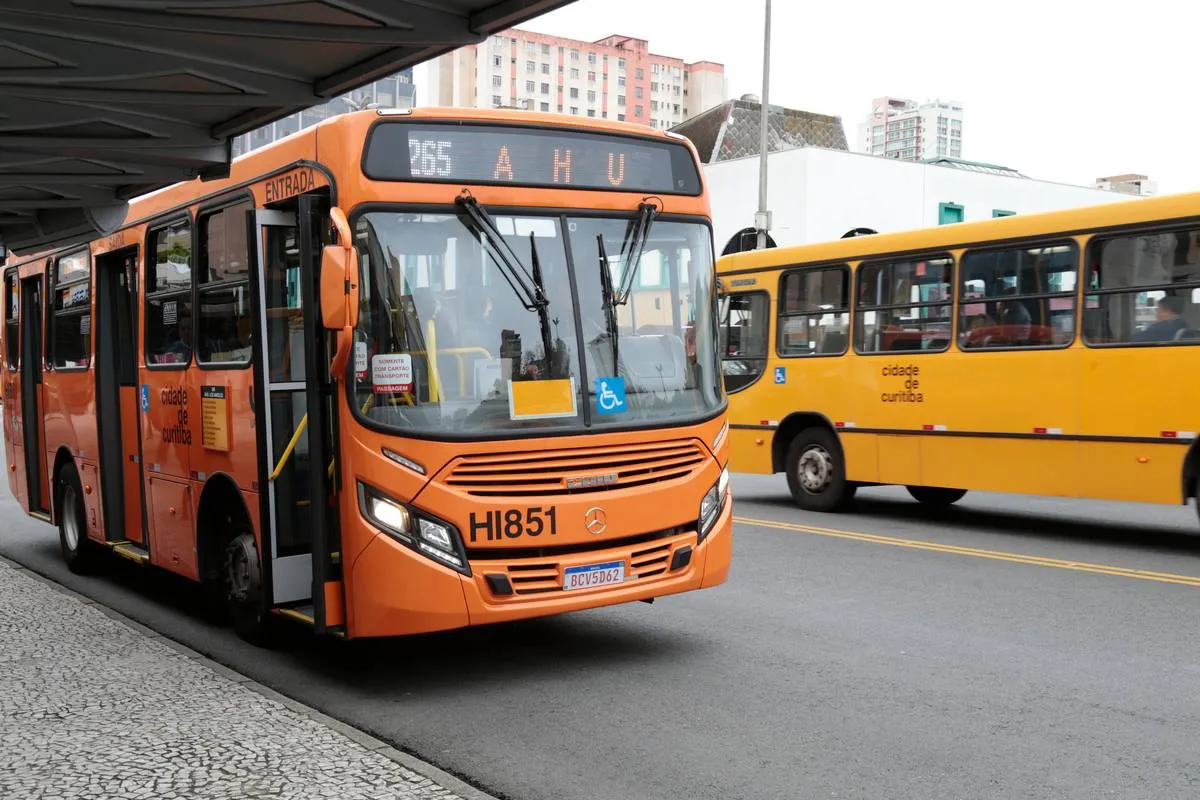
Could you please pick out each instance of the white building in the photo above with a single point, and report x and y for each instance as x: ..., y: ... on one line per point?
x: 614, y: 78
x: 1128, y: 184
x: 911, y: 131
x: 816, y: 194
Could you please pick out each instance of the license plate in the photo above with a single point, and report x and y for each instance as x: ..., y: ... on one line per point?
x: 593, y: 575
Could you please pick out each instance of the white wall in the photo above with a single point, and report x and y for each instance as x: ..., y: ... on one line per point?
x: 816, y: 195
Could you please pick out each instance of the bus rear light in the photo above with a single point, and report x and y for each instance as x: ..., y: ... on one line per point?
x: 429, y: 536
x: 404, y: 462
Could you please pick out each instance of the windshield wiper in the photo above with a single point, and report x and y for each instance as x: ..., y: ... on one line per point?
x: 542, y: 304
x: 631, y: 250
x: 610, y: 306
x: 529, y: 288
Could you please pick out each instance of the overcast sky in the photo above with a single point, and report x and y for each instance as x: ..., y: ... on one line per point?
x: 1063, y: 90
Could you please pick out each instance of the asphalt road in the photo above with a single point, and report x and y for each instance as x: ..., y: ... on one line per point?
x: 1007, y: 647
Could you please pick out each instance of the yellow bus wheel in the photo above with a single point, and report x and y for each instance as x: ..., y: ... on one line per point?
x: 816, y: 473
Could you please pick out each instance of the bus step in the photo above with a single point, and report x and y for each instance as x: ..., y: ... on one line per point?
x: 44, y: 517
x: 301, y: 613
x: 134, y: 552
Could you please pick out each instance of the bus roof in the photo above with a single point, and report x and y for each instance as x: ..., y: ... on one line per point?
x: 963, y: 234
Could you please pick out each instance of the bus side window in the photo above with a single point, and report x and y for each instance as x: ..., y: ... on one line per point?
x: 71, y: 323
x: 743, y: 334
x: 814, y: 312
x: 169, y: 295
x: 1018, y: 297
x: 12, y: 331
x: 904, y: 305
x: 1144, y: 289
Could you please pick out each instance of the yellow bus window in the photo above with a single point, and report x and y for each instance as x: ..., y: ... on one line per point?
x: 744, y: 324
x: 1144, y: 289
x: 904, y: 305
x: 814, y: 312
x: 1018, y: 297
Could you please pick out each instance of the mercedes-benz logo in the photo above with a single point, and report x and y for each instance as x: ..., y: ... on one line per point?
x: 595, y: 520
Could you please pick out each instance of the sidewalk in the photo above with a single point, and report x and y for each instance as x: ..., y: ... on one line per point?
x: 95, y: 706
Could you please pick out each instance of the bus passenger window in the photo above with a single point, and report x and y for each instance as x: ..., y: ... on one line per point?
x: 904, y: 305
x: 223, y: 326
x: 169, y: 296
x: 1018, y: 297
x: 1144, y: 289
x: 814, y: 312
x: 71, y: 327
x: 744, y: 323
x: 12, y: 330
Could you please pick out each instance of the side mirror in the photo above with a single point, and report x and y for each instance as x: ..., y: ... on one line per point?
x: 339, y: 277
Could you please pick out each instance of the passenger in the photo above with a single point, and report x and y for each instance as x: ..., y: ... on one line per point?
x: 1014, y: 319
x: 1170, y: 322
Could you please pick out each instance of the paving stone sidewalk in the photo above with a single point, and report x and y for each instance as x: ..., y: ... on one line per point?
x: 92, y: 707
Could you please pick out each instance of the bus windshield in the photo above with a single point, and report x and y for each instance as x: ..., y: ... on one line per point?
x: 468, y: 333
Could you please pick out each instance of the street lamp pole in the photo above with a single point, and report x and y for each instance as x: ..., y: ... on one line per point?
x: 762, y: 220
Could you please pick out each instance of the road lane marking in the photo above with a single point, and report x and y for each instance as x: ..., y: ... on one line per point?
x: 997, y: 555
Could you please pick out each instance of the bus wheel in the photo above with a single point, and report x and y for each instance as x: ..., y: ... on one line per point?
x: 244, y: 591
x: 815, y: 472
x: 935, y: 495
x: 81, y: 553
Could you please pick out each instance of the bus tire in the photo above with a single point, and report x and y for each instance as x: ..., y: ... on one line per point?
x: 81, y: 554
x: 935, y: 495
x: 816, y: 473
x: 244, y: 594
x: 1197, y: 496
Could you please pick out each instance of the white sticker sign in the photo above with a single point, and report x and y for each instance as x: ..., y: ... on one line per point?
x: 360, y: 360
x: 392, y: 372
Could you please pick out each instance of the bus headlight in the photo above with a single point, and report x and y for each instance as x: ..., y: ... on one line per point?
x: 712, y: 503
x: 427, y: 535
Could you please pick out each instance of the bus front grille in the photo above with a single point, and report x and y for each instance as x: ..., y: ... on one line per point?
x: 575, y: 471
x: 645, y: 562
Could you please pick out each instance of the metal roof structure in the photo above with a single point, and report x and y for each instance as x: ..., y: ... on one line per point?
x: 103, y: 100
x: 731, y: 130
x: 974, y: 166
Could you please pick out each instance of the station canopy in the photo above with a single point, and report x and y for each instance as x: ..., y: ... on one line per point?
x: 103, y: 100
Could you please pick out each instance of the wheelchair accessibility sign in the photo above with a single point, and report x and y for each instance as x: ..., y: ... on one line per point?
x: 781, y: 374
x: 610, y: 395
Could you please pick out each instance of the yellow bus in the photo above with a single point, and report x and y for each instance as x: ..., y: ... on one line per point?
x: 400, y: 372
x: 1043, y: 354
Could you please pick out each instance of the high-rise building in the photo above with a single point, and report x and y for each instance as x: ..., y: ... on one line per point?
x: 616, y: 77
x: 1128, y: 184
x: 394, y: 91
x: 911, y: 131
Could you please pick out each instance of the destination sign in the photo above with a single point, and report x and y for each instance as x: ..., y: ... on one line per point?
x: 491, y: 154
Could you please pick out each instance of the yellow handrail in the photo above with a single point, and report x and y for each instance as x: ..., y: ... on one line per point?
x: 435, y: 380
x: 287, y: 451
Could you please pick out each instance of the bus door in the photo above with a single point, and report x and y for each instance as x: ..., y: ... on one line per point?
x: 32, y: 416
x: 116, y: 395
x: 293, y: 419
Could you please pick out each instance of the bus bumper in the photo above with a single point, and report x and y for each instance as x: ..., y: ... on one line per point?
x: 442, y: 599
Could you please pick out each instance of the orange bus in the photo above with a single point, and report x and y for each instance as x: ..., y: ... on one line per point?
x: 400, y: 372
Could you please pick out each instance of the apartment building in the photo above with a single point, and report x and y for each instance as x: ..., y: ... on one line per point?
x: 616, y: 77
x: 912, y: 131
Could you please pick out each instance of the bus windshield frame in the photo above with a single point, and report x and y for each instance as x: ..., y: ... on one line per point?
x: 443, y: 273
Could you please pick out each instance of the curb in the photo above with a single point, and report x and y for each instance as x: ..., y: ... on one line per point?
x: 365, y: 740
